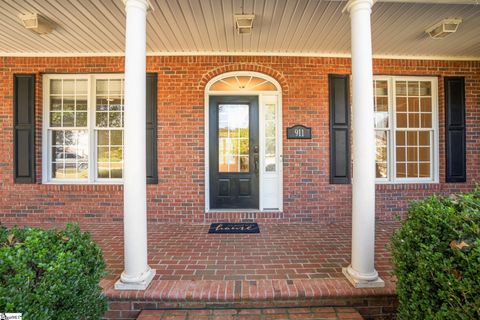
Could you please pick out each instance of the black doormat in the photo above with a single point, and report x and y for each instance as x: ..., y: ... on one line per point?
x: 249, y: 227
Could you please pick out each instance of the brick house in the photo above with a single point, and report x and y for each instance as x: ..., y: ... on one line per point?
x: 368, y: 132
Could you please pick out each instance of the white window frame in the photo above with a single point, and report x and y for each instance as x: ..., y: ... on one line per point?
x: 434, y: 152
x: 91, y: 128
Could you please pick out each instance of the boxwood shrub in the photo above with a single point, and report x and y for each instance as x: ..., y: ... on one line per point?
x: 436, y: 256
x: 51, y: 274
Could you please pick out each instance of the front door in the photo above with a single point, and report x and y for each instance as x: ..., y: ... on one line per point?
x: 234, y: 154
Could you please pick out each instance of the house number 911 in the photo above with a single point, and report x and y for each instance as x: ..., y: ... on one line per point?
x: 299, y: 132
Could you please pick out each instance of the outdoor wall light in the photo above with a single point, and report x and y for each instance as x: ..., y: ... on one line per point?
x: 36, y: 23
x: 244, y: 23
x: 443, y: 28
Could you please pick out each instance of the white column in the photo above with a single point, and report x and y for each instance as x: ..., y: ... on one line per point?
x: 137, y: 274
x: 361, y: 271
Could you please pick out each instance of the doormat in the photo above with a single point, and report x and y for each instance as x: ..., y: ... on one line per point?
x: 250, y: 227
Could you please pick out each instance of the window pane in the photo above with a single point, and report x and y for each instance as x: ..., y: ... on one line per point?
x: 115, y: 119
x: 424, y: 170
x: 81, y: 120
x: 381, y: 104
x: 412, y: 170
x: 65, y: 103
x: 401, y: 88
x: 381, y: 154
x: 102, y: 87
x: 109, y: 103
x: 81, y: 87
x: 413, y: 89
x: 270, y: 147
x: 401, y: 170
x: 116, y: 137
x: 55, y: 86
x: 426, y: 104
x: 68, y: 103
x: 69, y: 152
x: 81, y: 103
x: 401, y: 104
x: 413, y: 105
x: 233, y: 123
x: 270, y: 137
x: 68, y: 119
x: 270, y: 164
x: 68, y: 87
x: 381, y: 88
x: 55, y: 119
x: 413, y: 154
x: 244, y: 83
x: 109, y: 154
x: 55, y: 103
x: 102, y: 119
x: 424, y: 138
x: 402, y: 120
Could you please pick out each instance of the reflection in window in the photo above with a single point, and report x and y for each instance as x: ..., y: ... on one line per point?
x: 68, y: 121
x: 109, y: 127
x: 72, y: 136
x: 233, y: 138
x: 270, y: 138
x: 69, y: 154
x: 381, y: 128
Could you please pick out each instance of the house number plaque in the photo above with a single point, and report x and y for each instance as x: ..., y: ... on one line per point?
x: 299, y: 132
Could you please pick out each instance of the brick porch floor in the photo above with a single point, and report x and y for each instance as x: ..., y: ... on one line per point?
x: 286, y: 265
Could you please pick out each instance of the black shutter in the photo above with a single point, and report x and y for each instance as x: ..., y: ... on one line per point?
x: 24, y: 128
x: 456, y: 164
x: 152, y: 176
x: 339, y: 128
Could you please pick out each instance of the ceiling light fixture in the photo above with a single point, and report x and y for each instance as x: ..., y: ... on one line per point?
x: 36, y: 23
x: 244, y: 23
x: 443, y: 28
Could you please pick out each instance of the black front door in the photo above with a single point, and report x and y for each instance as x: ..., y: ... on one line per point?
x: 234, y: 154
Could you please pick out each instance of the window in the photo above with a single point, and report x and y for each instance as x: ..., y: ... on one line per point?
x: 83, y: 128
x: 406, y: 129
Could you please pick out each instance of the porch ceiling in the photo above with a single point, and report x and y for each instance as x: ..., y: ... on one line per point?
x: 281, y: 27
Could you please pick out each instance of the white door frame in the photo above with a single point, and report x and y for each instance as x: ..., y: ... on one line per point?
x: 262, y: 96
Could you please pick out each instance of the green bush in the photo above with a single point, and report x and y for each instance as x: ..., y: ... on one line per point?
x: 436, y: 257
x: 51, y: 274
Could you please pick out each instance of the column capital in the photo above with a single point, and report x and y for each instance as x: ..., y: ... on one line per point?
x: 354, y: 5
x: 142, y: 4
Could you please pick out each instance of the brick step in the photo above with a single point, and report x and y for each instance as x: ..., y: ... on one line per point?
x: 322, y: 313
x: 371, y: 303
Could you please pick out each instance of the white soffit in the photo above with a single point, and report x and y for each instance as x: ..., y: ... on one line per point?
x: 281, y: 27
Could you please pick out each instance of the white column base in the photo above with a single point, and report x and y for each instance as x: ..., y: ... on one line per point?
x: 358, y: 283
x: 141, y: 283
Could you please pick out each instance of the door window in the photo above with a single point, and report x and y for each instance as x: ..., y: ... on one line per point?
x: 233, y: 138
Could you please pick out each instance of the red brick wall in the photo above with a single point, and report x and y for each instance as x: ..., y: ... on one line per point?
x: 179, y: 195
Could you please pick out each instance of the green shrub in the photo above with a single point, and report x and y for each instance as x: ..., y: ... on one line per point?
x: 51, y: 274
x: 436, y: 257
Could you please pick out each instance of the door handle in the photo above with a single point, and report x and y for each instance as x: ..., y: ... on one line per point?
x: 255, y: 164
